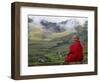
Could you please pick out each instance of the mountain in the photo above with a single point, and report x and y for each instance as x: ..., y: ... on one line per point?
x: 47, y: 30
x: 51, y: 26
x: 67, y: 25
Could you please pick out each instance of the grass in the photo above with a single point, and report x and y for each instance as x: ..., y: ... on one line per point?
x: 49, y: 48
x: 43, y: 52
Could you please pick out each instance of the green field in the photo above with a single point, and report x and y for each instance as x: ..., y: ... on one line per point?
x: 50, y: 48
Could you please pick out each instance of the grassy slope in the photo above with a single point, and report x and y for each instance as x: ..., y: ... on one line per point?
x: 44, y: 51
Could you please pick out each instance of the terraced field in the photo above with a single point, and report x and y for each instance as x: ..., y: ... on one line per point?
x: 50, y: 51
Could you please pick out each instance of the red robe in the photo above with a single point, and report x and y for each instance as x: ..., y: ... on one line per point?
x: 75, y: 52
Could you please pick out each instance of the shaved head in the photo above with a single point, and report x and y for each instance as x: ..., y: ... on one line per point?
x: 75, y: 37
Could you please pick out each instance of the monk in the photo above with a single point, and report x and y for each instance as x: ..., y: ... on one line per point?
x: 75, y: 53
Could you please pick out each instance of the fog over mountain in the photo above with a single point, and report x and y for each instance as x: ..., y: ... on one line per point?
x: 52, y: 26
x: 47, y: 25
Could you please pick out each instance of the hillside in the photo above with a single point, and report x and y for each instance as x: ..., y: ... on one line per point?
x: 53, y: 51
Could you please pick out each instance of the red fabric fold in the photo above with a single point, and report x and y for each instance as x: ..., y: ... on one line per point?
x: 75, y: 52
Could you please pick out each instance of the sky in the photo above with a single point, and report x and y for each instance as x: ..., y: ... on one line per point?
x: 56, y: 19
x: 70, y: 25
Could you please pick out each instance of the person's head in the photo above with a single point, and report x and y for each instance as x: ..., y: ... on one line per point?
x: 75, y: 38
